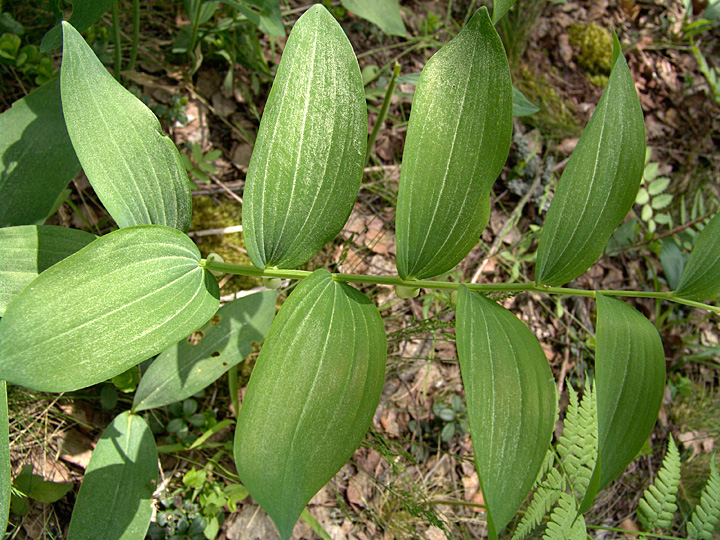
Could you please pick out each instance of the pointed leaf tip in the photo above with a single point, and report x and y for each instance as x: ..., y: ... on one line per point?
x: 701, y: 278
x: 57, y: 336
x: 316, y: 119
x: 134, y: 168
x: 500, y: 360
x: 458, y: 140
x: 599, y: 184
x: 629, y: 384
x: 311, y: 396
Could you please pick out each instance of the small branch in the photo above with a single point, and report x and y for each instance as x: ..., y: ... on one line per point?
x: 383, y: 111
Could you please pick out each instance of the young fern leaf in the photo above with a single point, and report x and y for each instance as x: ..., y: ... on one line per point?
x: 657, y: 506
x: 565, y: 523
x: 546, y: 495
x: 706, y: 516
x: 577, y: 445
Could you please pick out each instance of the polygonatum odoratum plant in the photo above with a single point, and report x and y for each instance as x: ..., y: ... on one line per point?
x: 78, y: 309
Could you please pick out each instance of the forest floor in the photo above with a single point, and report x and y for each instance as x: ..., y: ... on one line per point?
x: 413, y: 477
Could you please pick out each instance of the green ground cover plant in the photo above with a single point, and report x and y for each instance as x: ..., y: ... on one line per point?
x: 78, y: 309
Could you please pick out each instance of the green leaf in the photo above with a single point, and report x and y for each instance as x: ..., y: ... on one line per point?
x: 49, y: 492
x: 311, y: 396
x: 114, y: 498
x: 383, y: 13
x: 706, y: 516
x: 118, y: 301
x: 28, y: 250
x: 5, y: 466
x: 629, y: 384
x: 85, y: 13
x: 701, y: 278
x: 522, y: 106
x: 184, y: 369
x: 37, y: 159
x: 661, y: 201
x: 457, y: 142
x: 659, y: 185
x: 501, y: 361
x: 671, y: 259
x: 264, y: 14
x: 305, y: 170
x: 657, y: 506
x: 134, y: 168
x: 500, y: 8
x: 599, y: 184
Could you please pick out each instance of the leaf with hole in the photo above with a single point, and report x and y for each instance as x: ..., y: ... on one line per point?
x: 115, y: 495
x: 629, y: 386
x: 599, y: 183
x: 118, y: 301
x: 501, y: 360
x: 184, y: 369
x: 457, y: 142
x: 134, y: 168
x: 305, y: 171
x: 311, y: 396
x: 28, y: 250
x: 701, y: 277
x: 37, y: 159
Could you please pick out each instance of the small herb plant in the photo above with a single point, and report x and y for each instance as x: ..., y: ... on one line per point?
x: 79, y: 309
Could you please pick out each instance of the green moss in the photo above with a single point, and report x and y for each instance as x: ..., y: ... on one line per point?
x: 556, y: 117
x: 595, y: 56
x: 211, y: 213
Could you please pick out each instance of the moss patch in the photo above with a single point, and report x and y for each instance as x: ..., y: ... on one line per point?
x: 556, y: 117
x: 214, y: 213
x: 595, y: 56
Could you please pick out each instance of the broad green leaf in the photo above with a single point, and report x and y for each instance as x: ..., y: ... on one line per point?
x: 5, y: 467
x: 457, y: 142
x: 305, y: 170
x: 115, y: 495
x: 383, y: 13
x: 184, y: 369
x: 134, y: 168
x: 85, y: 13
x: 37, y: 159
x: 629, y: 384
x: 311, y: 396
x: 264, y: 14
x: 28, y: 250
x: 118, y: 301
x: 522, y: 106
x: 511, y: 402
x: 701, y: 278
x: 599, y: 184
x: 500, y: 8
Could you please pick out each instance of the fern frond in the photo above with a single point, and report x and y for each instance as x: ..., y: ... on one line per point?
x: 547, y: 464
x: 657, y: 506
x: 706, y: 516
x: 577, y: 445
x: 563, y: 524
x: 546, y: 495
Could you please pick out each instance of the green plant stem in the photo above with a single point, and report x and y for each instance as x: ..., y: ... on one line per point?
x: 116, y: 39
x: 135, y: 34
x: 195, y: 27
x: 245, y: 270
x: 233, y: 388
x: 389, y: 91
x: 634, y: 533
